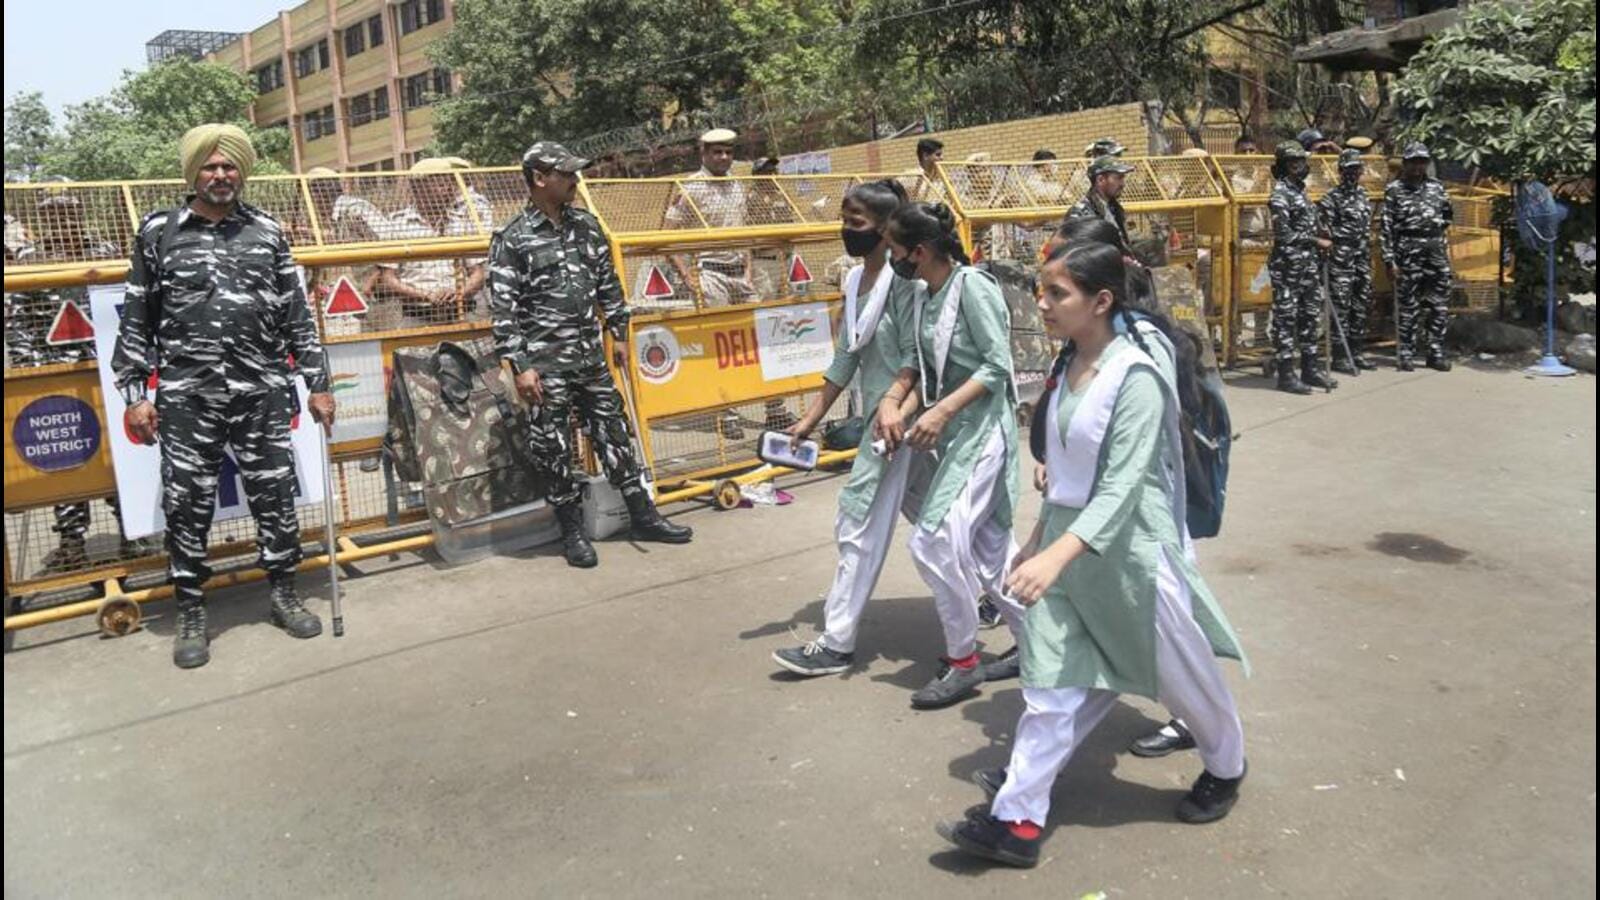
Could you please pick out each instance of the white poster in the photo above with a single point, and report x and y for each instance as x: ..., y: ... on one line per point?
x: 794, y: 340
x: 138, y: 466
x: 356, y: 374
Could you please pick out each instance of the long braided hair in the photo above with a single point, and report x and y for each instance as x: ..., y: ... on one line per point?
x: 1094, y: 267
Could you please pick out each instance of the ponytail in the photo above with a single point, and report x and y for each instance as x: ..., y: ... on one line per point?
x: 930, y: 225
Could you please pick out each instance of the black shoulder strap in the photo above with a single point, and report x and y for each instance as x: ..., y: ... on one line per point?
x: 157, y: 298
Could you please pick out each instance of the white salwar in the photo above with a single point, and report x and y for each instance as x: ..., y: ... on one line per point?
x: 966, y: 556
x: 1189, y: 684
x: 863, y: 545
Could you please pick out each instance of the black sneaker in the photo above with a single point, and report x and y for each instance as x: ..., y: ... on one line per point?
x: 290, y: 614
x: 813, y: 659
x: 991, y: 780
x: 988, y: 612
x: 1210, y: 798
x: 1169, y: 738
x: 952, y: 684
x: 990, y: 838
x: 1006, y: 665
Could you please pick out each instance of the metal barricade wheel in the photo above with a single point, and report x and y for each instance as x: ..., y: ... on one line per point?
x: 727, y: 494
x: 117, y: 616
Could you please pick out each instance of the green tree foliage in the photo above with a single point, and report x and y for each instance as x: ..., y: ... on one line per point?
x: 29, y: 131
x: 804, y: 72
x: 133, y: 132
x: 565, y: 69
x: 1509, y: 91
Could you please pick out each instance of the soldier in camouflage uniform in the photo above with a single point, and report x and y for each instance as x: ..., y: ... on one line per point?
x: 1107, y: 174
x: 29, y: 315
x: 1416, y: 214
x: 549, y: 269
x: 214, y: 304
x: 1294, y: 268
x: 1346, y: 214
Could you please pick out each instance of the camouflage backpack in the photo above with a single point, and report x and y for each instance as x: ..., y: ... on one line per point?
x: 454, y: 427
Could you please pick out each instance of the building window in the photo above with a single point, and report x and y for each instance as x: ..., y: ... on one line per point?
x: 319, y: 124
x: 415, y: 14
x: 311, y: 58
x: 369, y: 107
x: 269, y: 77
x: 355, y: 40
x: 423, y: 88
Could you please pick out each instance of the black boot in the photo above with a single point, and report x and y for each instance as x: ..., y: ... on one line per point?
x: 648, y: 525
x: 191, y: 647
x: 288, y: 612
x: 1364, y: 364
x: 1438, y: 363
x: 574, y: 543
x: 1314, y: 376
x: 1289, y: 382
x: 1405, y: 365
x: 1344, y: 365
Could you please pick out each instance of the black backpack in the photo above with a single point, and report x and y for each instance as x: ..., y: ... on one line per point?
x: 1205, y: 427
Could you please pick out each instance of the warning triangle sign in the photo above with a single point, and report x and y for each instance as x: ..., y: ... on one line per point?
x: 344, y: 300
x: 656, y: 284
x: 70, y: 326
x: 798, y: 273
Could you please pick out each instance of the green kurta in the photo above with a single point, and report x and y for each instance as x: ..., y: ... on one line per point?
x: 980, y: 350
x: 1095, y: 627
x: 876, y: 365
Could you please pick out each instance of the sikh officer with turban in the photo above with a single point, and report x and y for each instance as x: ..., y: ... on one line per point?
x: 213, y: 304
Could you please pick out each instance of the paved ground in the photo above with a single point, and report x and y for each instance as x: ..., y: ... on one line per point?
x: 1410, y: 561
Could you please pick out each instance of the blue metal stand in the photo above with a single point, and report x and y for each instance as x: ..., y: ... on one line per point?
x: 1548, y: 366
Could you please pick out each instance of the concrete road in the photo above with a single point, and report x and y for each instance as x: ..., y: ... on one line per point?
x: 1410, y: 562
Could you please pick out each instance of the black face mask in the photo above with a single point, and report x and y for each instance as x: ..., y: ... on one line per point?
x: 859, y: 243
x: 905, y: 268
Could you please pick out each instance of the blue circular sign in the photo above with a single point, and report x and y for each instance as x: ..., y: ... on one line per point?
x: 56, y: 432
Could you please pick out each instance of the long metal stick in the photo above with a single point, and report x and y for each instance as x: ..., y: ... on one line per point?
x: 1338, y: 323
x: 330, y: 536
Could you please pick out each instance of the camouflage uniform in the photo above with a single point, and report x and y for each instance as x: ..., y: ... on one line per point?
x: 29, y: 315
x: 232, y: 313
x: 1346, y: 213
x: 1414, y: 221
x: 547, y: 283
x: 1293, y: 266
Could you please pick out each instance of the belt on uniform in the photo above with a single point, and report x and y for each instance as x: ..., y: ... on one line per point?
x: 1422, y: 234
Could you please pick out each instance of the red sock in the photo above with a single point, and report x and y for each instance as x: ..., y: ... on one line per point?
x: 1025, y: 830
x: 966, y: 662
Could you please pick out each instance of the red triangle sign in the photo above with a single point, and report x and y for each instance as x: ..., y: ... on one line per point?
x: 656, y: 285
x: 798, y: 273
x: 344, y: 300
x: 70, y: 326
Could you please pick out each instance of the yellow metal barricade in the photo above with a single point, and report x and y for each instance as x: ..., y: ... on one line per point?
x: 1179, y: 222
x: 734, y: 284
